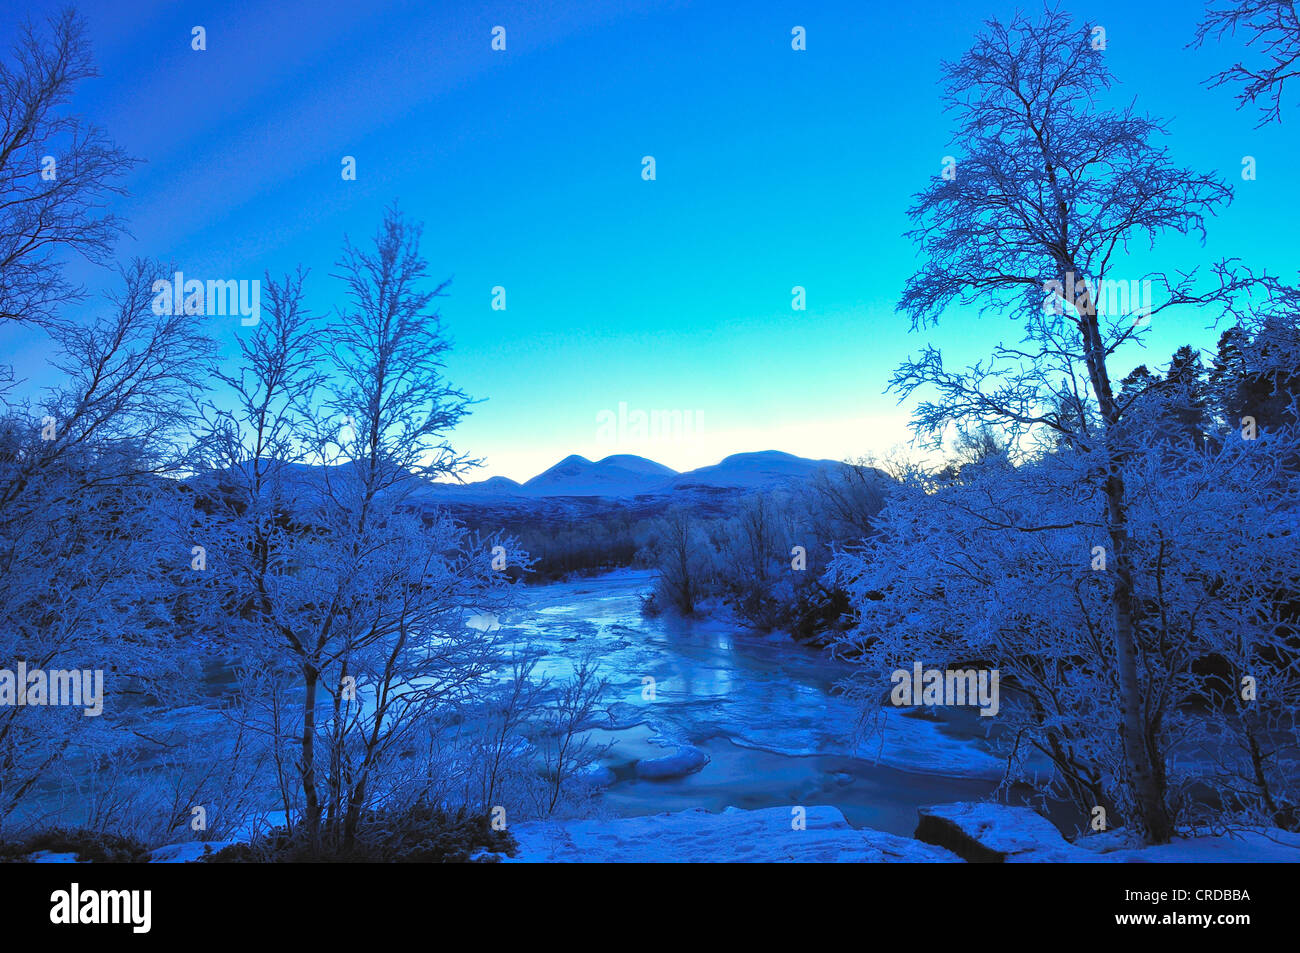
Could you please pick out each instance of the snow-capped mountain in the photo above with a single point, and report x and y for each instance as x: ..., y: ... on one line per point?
x: 627, y: 475
x: 755, y: 471
x: 619, y: 475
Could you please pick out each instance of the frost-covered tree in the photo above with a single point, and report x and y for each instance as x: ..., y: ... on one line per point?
x: 752, y: 559
x: 1267, y: 384
x: 844, y: 501
x: 339, y: 580
x: 86, y: 556
x: 1051, y: 189
x: 56, y: 170
x: 983, y: 572
x: 681, y: 555
x: 1177, y: 405
x: 1270, y: 28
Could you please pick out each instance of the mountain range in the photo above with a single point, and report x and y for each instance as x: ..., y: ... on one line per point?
x: 627, y: 475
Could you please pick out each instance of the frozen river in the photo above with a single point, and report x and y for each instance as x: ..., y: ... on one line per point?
x: 763, y: 708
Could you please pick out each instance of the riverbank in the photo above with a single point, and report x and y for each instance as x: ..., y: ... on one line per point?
x: 954, y: 833
x: 987, y: 832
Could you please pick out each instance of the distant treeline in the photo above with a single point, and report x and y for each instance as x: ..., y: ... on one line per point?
x: 767, y: 558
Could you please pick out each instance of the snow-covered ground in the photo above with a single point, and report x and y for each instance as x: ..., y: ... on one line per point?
x: 821, y: 834
x: 769, y: 835
x: 762, y: 836
x: 996, y: 832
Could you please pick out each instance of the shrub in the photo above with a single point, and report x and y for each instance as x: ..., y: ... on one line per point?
x: 419, y: 834
x: 88, y: 846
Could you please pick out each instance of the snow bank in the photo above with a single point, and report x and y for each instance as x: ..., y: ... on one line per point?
x: 734, y: 836
x: 187, y: 852
x: 1231, y: 847
x: 997, y: 833
x: 968, y: 830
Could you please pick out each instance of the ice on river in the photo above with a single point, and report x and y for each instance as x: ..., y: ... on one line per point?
x: 763, y: 710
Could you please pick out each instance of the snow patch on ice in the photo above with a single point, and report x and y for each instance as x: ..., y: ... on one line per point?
x: 914, y: 744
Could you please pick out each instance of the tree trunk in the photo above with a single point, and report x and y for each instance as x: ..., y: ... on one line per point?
x: 311, y: 796
x: 353, y: 817
x: 1141, y: 754
x: 1152, y: 818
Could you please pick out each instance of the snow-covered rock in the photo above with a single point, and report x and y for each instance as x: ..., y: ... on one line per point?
x: 994, y: 833
x: 685, y: 760
x: 734, y: 836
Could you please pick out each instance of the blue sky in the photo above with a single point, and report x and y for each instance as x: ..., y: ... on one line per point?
x: 775, y: 168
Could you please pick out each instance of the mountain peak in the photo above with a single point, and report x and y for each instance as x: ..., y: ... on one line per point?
x: 754, y: 470
x: 617, y: 475
x: 630, y: 461
x: 573, y: 459
x: 760, y: 455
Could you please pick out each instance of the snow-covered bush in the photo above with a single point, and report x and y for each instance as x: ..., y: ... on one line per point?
x: 87, y: 560
x: 1004, y: 567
